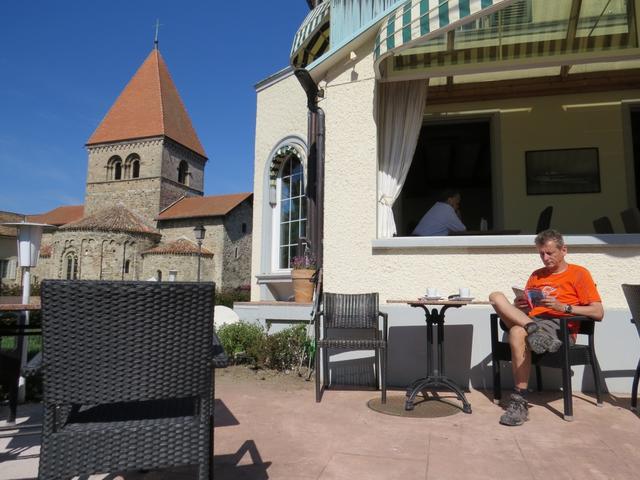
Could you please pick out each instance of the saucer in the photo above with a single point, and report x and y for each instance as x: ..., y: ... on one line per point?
x: 461, y: 299
x: 431, y: 298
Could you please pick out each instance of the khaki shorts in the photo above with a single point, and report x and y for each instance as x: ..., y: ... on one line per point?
x: 552, y: 327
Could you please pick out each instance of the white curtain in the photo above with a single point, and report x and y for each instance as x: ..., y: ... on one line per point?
x: 400, y: 111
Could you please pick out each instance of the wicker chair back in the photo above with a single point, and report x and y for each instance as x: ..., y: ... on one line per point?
x: 350, y: 310
x: 109, y: 341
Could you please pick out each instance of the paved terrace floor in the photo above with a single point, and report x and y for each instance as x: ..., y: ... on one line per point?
x: 272, y: 428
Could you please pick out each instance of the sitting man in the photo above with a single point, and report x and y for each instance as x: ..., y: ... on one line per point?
x: 568, y: 290
x: 443, y: 217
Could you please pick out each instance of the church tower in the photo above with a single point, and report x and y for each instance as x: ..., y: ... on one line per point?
x: 145, y: 154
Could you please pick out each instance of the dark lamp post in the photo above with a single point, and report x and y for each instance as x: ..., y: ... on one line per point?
x: 199, y: 232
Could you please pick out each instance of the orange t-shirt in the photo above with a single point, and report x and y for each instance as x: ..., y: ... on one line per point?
x: 574, y: 286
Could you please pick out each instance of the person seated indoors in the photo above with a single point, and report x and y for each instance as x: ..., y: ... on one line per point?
x: 443, y: 217
x: 567, y: 289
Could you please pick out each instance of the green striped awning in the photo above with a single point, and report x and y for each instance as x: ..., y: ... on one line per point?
x: 417, y: 21
x: 312, y: 38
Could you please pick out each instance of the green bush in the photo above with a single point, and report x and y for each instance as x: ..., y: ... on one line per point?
x: 248, y: 342
x: 15, y: 290
x: 286, y: 349
x: 241, y: 340
x: 227, y: 296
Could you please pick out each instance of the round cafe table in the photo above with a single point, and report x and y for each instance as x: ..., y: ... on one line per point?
x: 435, y: 378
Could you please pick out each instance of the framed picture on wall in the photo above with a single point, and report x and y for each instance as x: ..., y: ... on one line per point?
x: 571, y: 170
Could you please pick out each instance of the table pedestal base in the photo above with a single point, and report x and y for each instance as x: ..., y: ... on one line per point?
x: 435, y: 383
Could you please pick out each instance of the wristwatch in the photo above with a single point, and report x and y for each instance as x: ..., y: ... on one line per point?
x: 568, y: 309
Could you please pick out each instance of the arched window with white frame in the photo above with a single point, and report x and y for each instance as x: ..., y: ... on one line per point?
x: 289, y: 211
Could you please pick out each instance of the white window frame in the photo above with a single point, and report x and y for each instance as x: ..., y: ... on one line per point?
x: 275, y: 218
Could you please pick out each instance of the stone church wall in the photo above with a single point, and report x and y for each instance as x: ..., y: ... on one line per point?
x: 184, y: 266
x: 237, y: 246
x: 100, y: 255
x: 174, y: 153
x: 213, y: 239
x: 140, y: 195
x: 155, y: 189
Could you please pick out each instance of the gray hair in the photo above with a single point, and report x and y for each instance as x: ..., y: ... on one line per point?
x: 547, y: 235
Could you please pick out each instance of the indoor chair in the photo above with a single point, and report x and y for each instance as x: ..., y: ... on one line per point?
x: 603, y: 225
x: 355, y: 312
x: 632, y: 294
x: 127, y: 377
x: 578, y: 354
x: 631, y: 220
x: 544, y: 219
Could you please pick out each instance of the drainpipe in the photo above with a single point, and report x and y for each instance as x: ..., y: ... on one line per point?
x: 315, y: 164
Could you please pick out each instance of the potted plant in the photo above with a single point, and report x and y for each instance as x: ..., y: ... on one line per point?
x: 303, y: 267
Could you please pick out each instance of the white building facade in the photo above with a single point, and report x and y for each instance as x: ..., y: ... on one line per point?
x: 519, y: 105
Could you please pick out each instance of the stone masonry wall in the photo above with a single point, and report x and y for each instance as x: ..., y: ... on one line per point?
x: 156, y: 188
x: 101, y: 255
x: 213, y: 241
x: 173, y: 154
x: 185, y: 266
x: 236, y: 270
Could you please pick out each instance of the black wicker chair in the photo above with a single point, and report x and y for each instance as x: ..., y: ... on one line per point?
x: 353, y: 312
x: 564, y: 358
x: 127, y: 377
x: 632, y: 294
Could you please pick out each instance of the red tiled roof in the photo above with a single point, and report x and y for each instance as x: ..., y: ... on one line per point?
x: 112, y: 219
x: 59, y: 216
x: 211, y: 206
x: 182, y: 246
x: 9, y: 217
x: 45, y: 251
x: 149, y: 106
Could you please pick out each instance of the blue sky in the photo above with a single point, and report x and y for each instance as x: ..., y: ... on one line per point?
x: 64, y: 62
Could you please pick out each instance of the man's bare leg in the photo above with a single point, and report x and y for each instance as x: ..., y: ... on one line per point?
x: 515, y: 319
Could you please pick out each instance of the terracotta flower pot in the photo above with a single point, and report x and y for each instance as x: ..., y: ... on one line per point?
x: 302, y: 285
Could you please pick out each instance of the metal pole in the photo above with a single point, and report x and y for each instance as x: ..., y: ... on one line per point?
x: 199, y: 254
x: 26, y: 296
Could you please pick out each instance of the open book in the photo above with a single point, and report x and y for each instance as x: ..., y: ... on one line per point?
x: 532, y: 295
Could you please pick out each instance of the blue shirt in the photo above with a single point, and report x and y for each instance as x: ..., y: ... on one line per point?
x: 439, y: 220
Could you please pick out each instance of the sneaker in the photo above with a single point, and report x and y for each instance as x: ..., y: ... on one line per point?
x: 540, y: 342
x: 517, y: 411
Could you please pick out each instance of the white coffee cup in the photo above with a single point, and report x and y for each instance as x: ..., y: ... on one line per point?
x: 464, y: 292
x: 432, y: 292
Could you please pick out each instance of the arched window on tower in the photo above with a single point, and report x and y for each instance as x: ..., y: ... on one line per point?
x: 135, y: 169
x: 183, y: 173
x: 71, y: 265
x: 114, y: 168
x: 132, y: 166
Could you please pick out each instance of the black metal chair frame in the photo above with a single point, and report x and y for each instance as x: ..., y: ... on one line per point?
x: 11, y: 371
x: 636, y: 377
x: 350, y: 311
x: 128, y: 379
x: 578, y: 354
x: 632, y: 294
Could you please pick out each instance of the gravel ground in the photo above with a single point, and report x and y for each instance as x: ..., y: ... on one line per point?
x: 271, y: 378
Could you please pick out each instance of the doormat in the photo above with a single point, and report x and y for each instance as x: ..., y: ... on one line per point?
x: 430, y: 408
